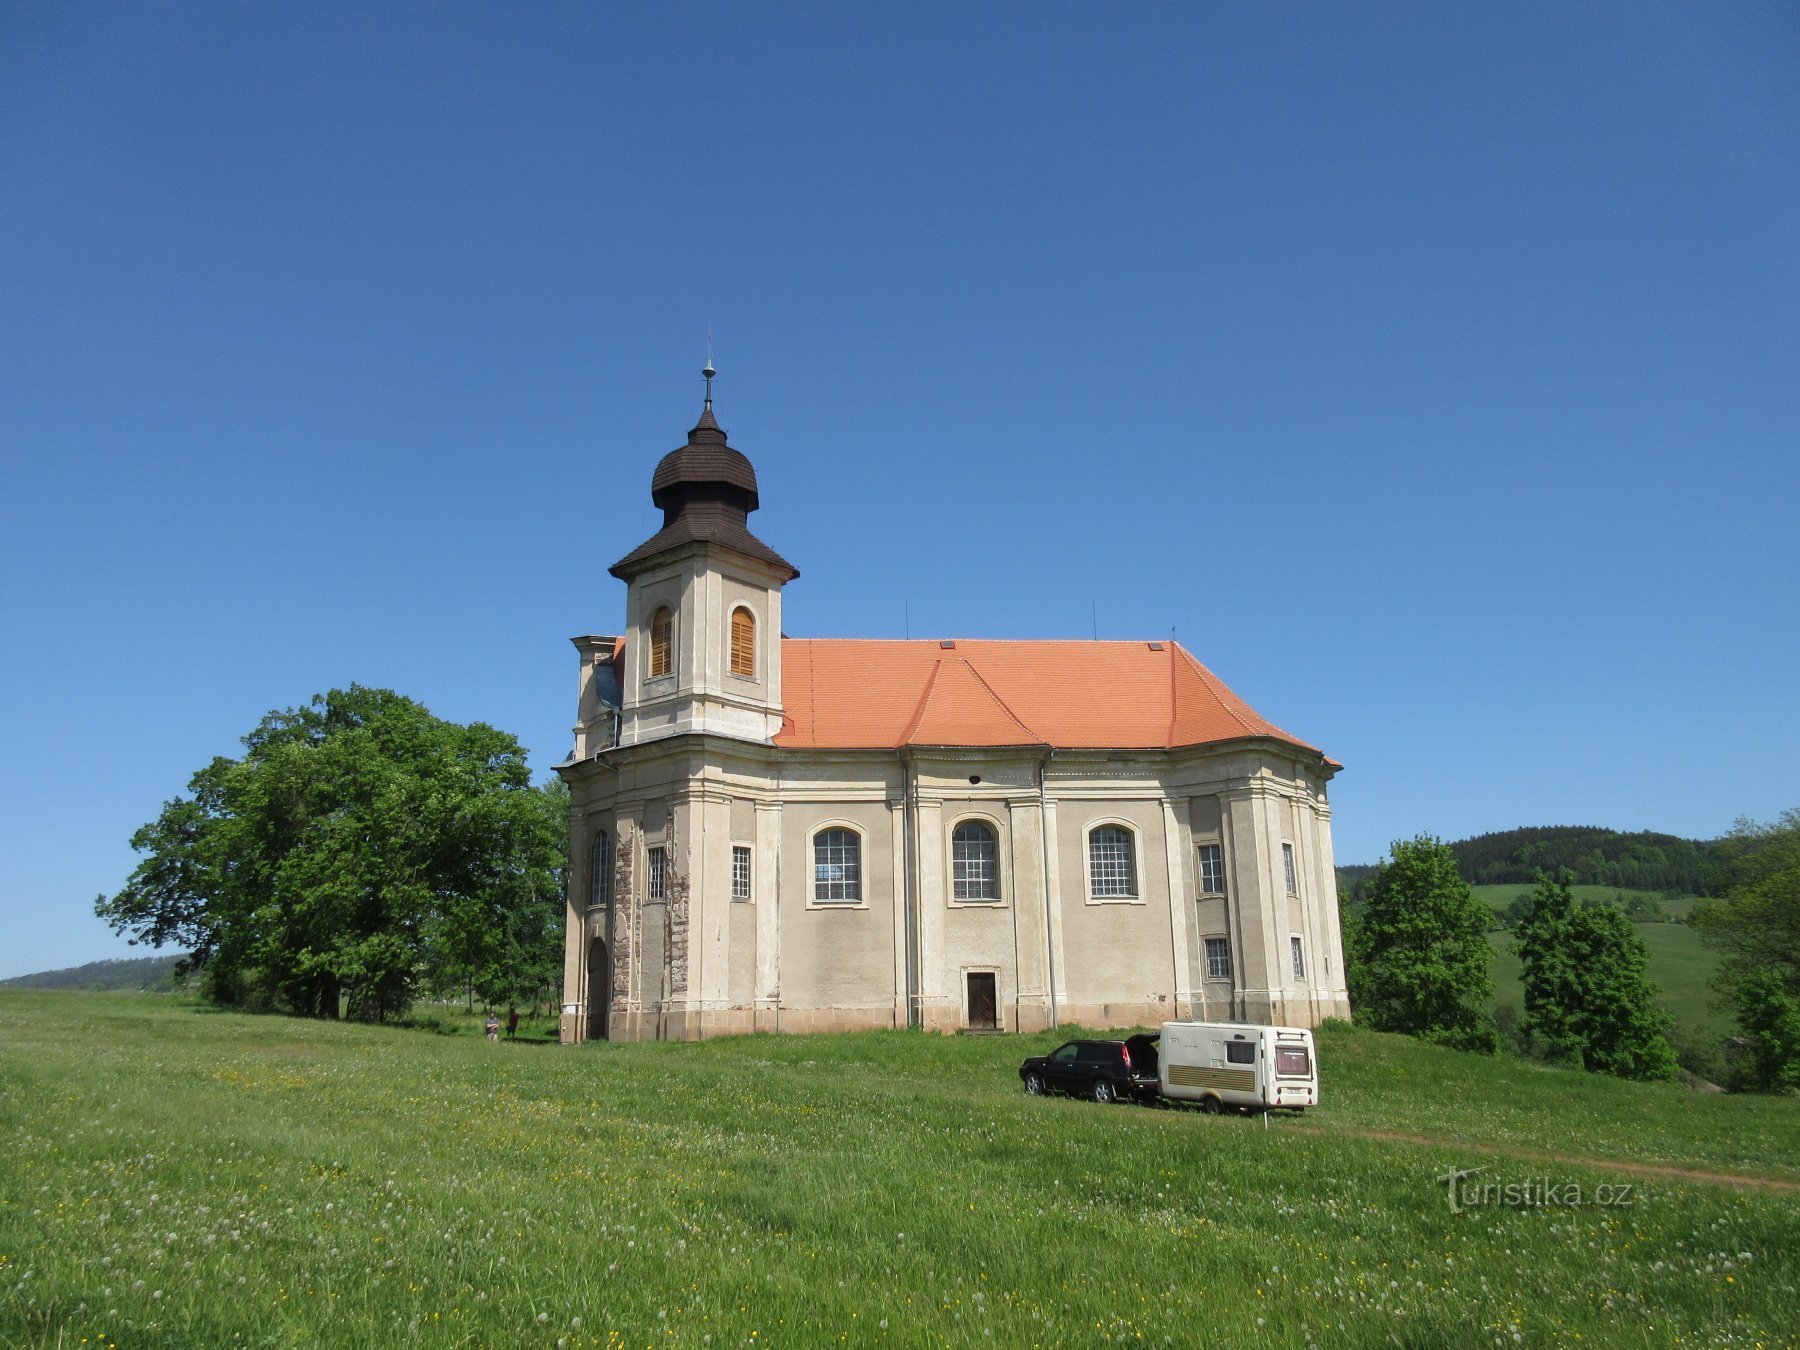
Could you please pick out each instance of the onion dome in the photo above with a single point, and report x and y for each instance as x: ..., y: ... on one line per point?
x: 706, y: 491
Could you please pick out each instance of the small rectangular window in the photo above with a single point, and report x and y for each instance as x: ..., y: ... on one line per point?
x: 658, y: 866
x: 1218, y: 959
x: 1287, y: 864
x: 1212, y: 870
x: 740, y: 874
x: 1299, y: 958
x: 1292, y: 1062
x: 1240, y: 1052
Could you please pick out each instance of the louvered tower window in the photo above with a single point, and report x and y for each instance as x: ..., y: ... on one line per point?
x: 743, y: 642
x: 662, y: 633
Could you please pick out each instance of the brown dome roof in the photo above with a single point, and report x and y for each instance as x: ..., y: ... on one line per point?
x: 706, y: 490
x: 704, y: 460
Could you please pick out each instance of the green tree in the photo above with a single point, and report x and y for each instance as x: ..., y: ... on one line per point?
x: 1753, y: 918
x: 1769, y: 1016
x: 326, y: 860
x: 1587, y: 991
x: 1421, y: 954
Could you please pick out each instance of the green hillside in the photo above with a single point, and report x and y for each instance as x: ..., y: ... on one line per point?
x: 181, y: 1177
x: 144, y: 974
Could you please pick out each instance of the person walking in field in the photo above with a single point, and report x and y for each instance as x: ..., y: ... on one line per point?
x: 493, y: 1026
x: 512, y: 1024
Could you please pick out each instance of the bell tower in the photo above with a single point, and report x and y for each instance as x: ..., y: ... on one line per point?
x: 702, y: 649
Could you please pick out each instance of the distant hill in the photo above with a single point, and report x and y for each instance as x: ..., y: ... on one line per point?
x: 153, y: 973
x: 1644, y: 861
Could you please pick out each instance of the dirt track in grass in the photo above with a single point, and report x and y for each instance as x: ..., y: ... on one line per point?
x: 1567, y: 1159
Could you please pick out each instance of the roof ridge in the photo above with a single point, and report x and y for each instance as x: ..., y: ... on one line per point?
x: 924, y: 701
x: 1005, y: 707
x: 1174, y: 696
x: 1208, y: 679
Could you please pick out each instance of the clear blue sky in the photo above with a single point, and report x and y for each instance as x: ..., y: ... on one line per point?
x: 1430, y: 369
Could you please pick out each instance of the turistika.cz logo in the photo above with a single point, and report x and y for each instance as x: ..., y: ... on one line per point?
x: 1531, y: 1193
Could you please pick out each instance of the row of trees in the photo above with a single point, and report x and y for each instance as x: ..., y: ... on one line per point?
x: 1418, y: 960
x: 1418, y: 963
x: 359, y: 852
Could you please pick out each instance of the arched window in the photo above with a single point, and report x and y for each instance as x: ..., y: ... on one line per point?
x: 600, y: 884
x: 743, y: 642
x: 974, y: 862
x: 837, y: 867
x: 662, y: 634
x: 1112, y: 863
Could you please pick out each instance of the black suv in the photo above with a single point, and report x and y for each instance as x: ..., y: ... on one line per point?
x: 1103, y: 1070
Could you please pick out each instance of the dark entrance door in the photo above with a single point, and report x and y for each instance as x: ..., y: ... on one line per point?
x: 599, y: 1002
x: 982, y: 1003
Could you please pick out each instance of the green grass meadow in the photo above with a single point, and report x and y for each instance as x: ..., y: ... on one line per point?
x: 178, y: 1177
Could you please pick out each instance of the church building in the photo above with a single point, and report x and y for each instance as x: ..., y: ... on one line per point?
x: 820, y: 834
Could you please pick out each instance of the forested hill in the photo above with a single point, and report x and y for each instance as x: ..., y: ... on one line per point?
x: 1597, y: 857
x: 154, y: 973
x: 1643, y: 861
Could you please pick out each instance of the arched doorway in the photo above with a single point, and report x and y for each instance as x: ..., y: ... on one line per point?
x: 599, y: 991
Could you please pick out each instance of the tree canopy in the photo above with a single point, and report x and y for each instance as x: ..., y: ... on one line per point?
x: 1588, y: 996
x: 1753, y: 918
x: 1419, y: 949
x: 359, y: 846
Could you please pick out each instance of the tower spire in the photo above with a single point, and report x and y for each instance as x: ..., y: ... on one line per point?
x: 709, y: 372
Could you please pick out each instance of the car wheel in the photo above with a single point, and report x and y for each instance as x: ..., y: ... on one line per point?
x: 1103, y: 1092
x: 1034, y: 1084
x: 1210, y: 1105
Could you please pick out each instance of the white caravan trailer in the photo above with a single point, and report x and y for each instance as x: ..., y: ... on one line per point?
x: 1237, y: 1064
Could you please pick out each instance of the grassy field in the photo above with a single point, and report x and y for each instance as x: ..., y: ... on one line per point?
x: 176, y: 1177
x: 1499, y: 896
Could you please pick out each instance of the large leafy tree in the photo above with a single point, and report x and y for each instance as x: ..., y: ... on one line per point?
x: 325, y: 861
x: 1421, y: 950
x: 1588, y: 996
x: 1754, y: 921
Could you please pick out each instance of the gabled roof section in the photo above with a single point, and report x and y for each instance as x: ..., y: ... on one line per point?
x: 961, y: 708
x: 845, y: 693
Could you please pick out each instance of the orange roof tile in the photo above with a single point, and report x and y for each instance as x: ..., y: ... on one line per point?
x: 844, y: 693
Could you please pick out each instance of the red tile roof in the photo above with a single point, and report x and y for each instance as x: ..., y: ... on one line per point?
x: 843, y: 693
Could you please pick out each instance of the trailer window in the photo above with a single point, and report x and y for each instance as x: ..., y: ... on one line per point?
x: 1292, y: 1063
x: 1240, y: 1052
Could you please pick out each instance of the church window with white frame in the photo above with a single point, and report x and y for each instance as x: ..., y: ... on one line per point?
x: 659, y: 866
x: 1112, y: 863
x: 1212, y: 870
x: 740, y: 872
x: 600, y: 884
x: 1287, y: 866
x: 837, y: 867
x: 1299, y: 954
x: 974, y: 862
x: 1218, y: 959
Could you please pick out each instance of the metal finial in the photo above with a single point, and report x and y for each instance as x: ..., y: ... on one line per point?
x: 709, y: 372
